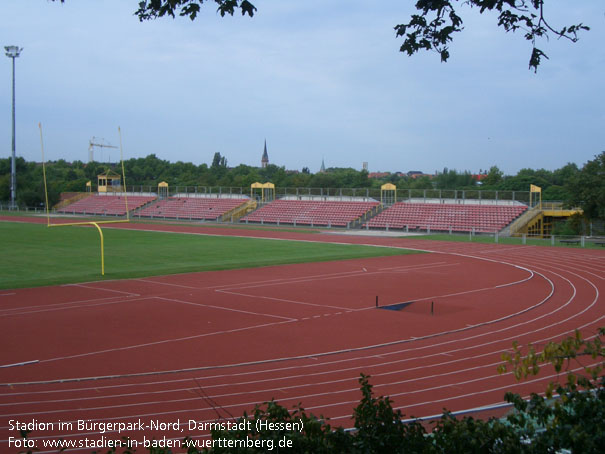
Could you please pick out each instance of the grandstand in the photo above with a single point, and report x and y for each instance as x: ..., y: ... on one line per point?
x: 200, y: 208
x: 312, y: 212
x: 110, y: 204
x: 425, y: 210
x: 447, y: 217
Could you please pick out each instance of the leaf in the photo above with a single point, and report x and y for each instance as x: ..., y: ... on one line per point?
x: 536, y: 58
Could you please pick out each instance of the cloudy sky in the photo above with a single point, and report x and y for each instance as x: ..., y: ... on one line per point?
x: 315, y: 78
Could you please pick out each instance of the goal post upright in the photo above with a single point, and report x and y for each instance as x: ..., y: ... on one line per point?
x: 96, y: 224
x: 123, y: 174
x: 44, y: 176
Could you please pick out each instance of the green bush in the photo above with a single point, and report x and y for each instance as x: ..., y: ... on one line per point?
x: 572, y: 226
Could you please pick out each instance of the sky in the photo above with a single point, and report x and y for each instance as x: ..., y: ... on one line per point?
x: 315, y: 79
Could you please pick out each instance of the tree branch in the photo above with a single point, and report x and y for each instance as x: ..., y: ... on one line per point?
x: 434, y: 27
x: 152, y: 9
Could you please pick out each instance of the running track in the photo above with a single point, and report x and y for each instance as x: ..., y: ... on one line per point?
x: 207, y: 346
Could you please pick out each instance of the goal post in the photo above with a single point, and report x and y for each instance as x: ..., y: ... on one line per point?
x: 95, y: 224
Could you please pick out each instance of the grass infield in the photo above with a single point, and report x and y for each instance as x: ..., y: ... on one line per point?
x: 35, y: 255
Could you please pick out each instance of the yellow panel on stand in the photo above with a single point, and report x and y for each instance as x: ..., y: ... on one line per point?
x: 388, y: 194
x: 267, y: 191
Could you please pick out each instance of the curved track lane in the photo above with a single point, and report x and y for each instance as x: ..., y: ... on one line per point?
x: 207, y: 346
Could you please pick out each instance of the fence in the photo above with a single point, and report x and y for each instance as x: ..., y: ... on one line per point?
x: 457, y: 196
x: 423, y: 232
x: 567, y: 241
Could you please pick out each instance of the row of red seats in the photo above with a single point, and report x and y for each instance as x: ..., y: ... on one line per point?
x: 191, y: 207
x: 480, y: 218
x: 303, y: 212
x: 113, y: 205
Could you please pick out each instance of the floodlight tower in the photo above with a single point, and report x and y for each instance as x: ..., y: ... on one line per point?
x: 13, y: 52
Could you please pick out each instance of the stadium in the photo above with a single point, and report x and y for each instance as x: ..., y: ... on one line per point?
x: 207, y: 305
x: 408, y: 295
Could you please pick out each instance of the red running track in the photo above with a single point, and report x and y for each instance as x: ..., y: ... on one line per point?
x: 207, y: 346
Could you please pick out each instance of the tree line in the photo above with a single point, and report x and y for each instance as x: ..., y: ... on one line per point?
x: 571, y: 184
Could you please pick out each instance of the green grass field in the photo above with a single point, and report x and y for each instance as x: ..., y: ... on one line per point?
x: 35, y: 255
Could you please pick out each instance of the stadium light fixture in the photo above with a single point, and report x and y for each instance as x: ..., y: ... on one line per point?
x: 13, y: 52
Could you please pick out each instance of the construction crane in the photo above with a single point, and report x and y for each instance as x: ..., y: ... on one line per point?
x: 96, y: 142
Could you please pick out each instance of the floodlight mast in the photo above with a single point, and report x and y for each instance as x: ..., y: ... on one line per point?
x: 13, y: 52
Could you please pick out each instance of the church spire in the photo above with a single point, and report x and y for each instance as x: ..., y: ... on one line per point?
x: 322, y: 169
x: 265, y: 159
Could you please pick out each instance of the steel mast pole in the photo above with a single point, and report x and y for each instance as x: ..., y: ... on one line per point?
x: 13, y: 52
x: 13, y: 148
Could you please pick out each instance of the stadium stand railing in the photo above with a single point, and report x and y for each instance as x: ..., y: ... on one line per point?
x: 523, y: 219
x: 239, y: 211
x: 458, y: 196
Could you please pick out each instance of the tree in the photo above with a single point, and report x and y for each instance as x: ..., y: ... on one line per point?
x: 379, y: 427
x: 564, y: 174
x: 432, y: 29
x: 152, y: 9
x: 494, y: 176
x: 323, y: 180
x: 218, y: 161
x: 575, y: 420
x: 523, y: 179
x: 587, y: 188
x: 451, y: 179
x: 5, y: 186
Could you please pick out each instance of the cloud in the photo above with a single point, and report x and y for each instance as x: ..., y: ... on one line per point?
x: 317, y: 79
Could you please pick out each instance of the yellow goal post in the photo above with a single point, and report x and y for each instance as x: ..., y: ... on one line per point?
x: 91, y: 223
